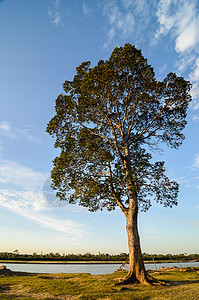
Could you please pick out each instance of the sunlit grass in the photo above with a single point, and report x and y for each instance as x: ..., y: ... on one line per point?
x: 182, y: 285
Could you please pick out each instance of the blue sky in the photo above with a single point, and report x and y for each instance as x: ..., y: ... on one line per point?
x: 41, y: 44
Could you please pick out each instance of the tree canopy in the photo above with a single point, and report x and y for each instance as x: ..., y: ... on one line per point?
x: 117, y: 104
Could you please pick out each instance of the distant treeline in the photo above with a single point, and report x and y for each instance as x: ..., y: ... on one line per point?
x: 15, y: 255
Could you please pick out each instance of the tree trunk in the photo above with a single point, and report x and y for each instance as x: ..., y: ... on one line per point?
x: 137, y: 272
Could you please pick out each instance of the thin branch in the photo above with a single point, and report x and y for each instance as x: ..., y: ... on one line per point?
x: 148, y: 126
x: 94, y: 133
x: 152, y: 133
x: 126, y: 113
x: 114, y: 141
x: 102, y: 173
x: 132, y: 120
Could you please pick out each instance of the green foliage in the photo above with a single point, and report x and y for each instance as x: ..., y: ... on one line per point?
x: 107, y: 120
x: 94, y: 257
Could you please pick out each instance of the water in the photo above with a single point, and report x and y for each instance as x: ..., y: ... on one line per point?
x: 93, y: 269
x: 172, y: 264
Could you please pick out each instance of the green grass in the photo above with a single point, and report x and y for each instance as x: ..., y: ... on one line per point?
x: 183, y: 285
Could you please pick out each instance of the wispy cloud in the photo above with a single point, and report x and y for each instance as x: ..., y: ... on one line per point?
x: 55, y: 14
x: 195, y: 117
x: 21, y: 191
x: 194, y: 78
x: 27, y: 132
x: 20, y: 176
x: 163, y: 68
x: 184, y: 62
x: 121, y: 22
x: 6, y: 130
x: 125, y: 18
x: 5, y: 126
x: 1, y: 146
x: 196, y: 161
x: 30, y: 134
x: 87, y: 10
x: 194, y: 222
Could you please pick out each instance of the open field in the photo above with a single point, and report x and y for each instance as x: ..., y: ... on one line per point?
x: 182, y: 284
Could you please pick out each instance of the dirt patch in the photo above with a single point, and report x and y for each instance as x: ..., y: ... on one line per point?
x: 19, y: 290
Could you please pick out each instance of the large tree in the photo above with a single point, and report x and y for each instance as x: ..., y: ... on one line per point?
x: 107, y: 122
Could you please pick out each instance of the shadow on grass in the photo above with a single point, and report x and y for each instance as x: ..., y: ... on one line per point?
x: 12, y: 297
x: 7, y: 288
x: 182, y: 282
x: 8, y: 272
x: 4, y: 288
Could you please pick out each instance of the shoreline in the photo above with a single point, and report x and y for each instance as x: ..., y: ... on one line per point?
x: 88, y: 262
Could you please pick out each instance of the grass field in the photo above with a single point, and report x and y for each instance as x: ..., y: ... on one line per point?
x: 16, y: 285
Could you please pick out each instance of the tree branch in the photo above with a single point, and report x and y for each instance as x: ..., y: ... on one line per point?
x: 94, y: 133
x: 148, y: 126
x: 115, y: 195
x: 133, y: 116
x: 114, y: 141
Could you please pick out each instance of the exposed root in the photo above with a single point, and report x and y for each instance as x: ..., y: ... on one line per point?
x: 154, y: 281
x: 123, y: 281
x: 132, y: 279
x: 147, y: 280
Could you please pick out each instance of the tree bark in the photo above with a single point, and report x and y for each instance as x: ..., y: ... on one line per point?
x: 137, y: 272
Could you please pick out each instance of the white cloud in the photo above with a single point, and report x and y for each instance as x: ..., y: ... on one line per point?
x: 121, y: 22
x: 1, y: 148
x: 127, y: 3
x: 86, y: 10
x: 6, y: 130
x: 190, y: 61
x: 55, y: 14
x: 126, y: 19
x: 194, y: 222
x: 163, y: 68
x: 22, y: 184
x: 138, y: 6
x: 180, y: 19
x: 21, y: 191
x: 195, y: 117
x: 5, y: 126
x: 188, y: 38
x: 28, y: 132
x: 30, y: 205
x: 196, y: 161
x: 184, y: 62
x: 194, y: 78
